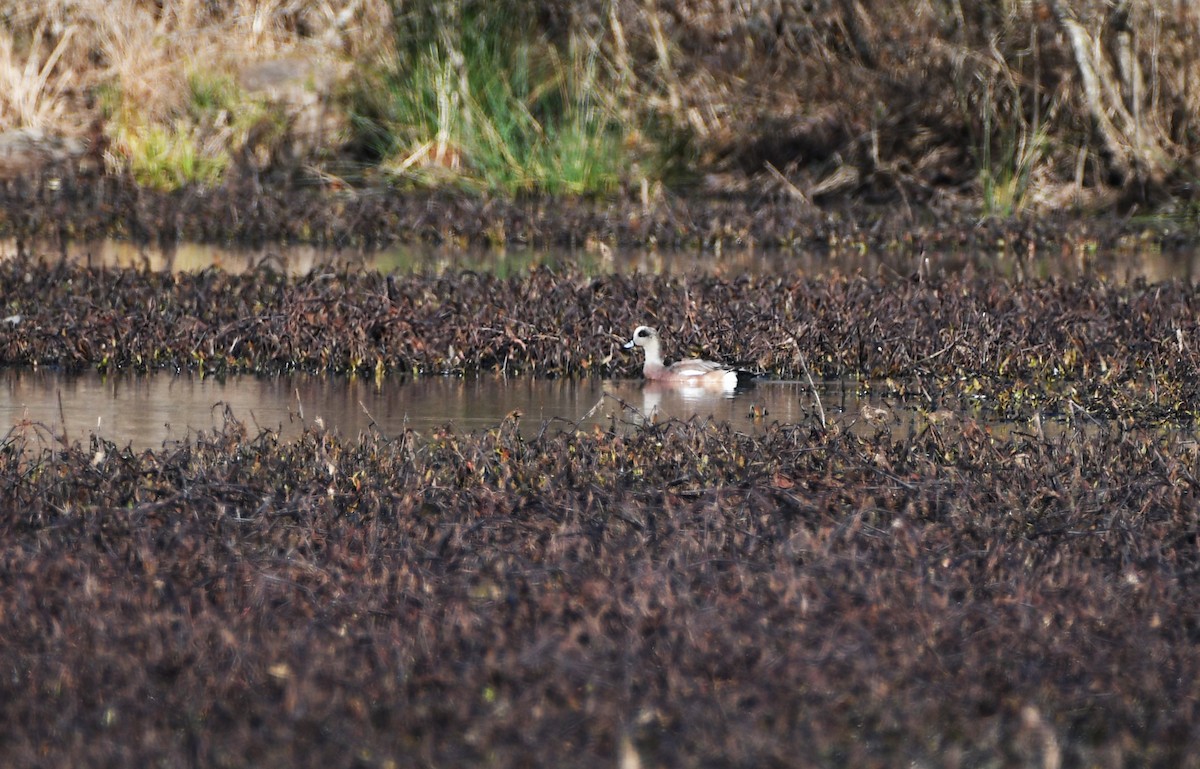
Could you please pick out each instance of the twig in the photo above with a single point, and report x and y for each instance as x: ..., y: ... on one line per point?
x: 373, y: 424
x: 593, y: 409
x: 791, y: 189
x: 62, y: 419
x: 812, y: 385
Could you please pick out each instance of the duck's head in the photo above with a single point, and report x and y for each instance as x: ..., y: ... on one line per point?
x: 643, y: 336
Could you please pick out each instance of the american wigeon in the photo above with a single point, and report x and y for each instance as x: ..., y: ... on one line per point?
x: 692, y: 372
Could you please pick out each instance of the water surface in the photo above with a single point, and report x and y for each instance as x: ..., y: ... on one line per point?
x: 146, y: 410
x: 1148, y: 262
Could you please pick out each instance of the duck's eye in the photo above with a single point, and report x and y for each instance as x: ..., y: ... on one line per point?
x: 643, y: 333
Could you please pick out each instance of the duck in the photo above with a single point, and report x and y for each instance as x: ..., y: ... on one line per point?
x: 692, y: 372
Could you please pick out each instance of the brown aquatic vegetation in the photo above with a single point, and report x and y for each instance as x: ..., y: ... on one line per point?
x: 66, y: 206
x: 798, y: 598
x: 1004, y: 348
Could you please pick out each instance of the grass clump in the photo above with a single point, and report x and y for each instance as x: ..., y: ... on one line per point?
x: 474, y: 98
x: 1010, y: 152
x: 33, y: 85
x: 193, y: 144
x: 1007, y: 180
x: 168, y: 157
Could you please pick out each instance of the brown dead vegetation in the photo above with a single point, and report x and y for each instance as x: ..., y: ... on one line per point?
x: 915, y: 99
x: 680, y: 595
x: 70, y: 208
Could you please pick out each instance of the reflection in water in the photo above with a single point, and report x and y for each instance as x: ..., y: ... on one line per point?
x: 403, y: 259
x: 147, y: 409
x: 1150, y: 263
x: 645, y: 402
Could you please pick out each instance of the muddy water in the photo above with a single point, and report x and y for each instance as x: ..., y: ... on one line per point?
x: 146, y: 410
x: 1150, y: 263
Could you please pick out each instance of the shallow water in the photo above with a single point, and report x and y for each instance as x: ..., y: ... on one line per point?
x: 1149, y: 263
x: 146, y: 410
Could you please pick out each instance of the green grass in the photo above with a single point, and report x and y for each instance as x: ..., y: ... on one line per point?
x: 168, y: 157
x: 1008, y: 153
x: 1006, y: 181
x: 193, y: 145
x: 470, y: 102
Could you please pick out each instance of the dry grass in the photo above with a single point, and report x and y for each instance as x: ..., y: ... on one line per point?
x: 911, y: 97
x: 829, y: 97
x: 65, y: 63
x: 33, y: 85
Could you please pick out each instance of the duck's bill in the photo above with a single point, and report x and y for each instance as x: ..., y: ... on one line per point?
x: 629, y: 345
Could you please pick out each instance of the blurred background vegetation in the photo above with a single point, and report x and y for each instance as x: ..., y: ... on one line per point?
x: 1011, y: 105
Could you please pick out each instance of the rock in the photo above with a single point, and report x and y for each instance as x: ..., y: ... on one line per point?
x: 25, y: 151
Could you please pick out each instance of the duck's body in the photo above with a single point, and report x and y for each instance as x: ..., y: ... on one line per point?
x: 692, y: 372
